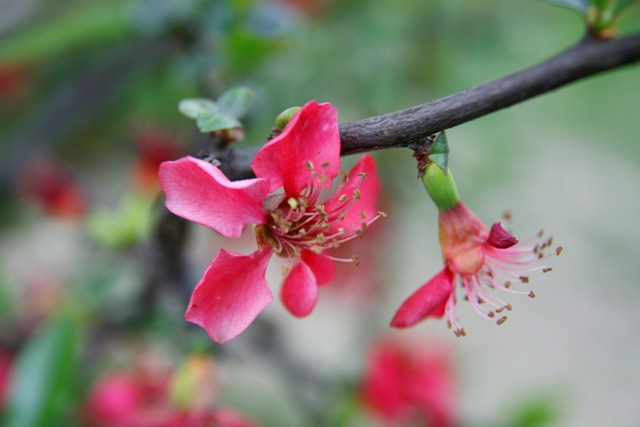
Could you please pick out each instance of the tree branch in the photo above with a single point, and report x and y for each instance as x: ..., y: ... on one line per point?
x: 401, y: 128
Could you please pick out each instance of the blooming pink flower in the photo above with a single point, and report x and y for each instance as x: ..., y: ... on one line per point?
x: 474, y: 256
x: 292, y: 221
x: 407, y: 383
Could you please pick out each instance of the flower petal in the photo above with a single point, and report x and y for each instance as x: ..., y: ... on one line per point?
x: 368, y: 189
x: 199, y: 192
x: 323, y: 268
x: 311, y: 136
x: 300, y: 290
x: 428, y: 300
x: 230, y: 295
x: 500, y: 238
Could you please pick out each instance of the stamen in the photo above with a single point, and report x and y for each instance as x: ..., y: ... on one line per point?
x: 501, y: 320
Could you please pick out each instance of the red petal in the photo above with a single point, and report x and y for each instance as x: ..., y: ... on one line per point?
x: 323, y: 268
x: 369, y: 190
x: 499, y: 238
x: 300, y: 290
x: 311, y: 136
x: 200, y: 192
x: 427, y: 301
x: 231, y: 294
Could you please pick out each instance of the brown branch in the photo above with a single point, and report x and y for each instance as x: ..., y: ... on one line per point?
x: 401, y: 128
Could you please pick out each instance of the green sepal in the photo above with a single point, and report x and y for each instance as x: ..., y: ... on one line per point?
x: 439, y: 151
x: 221, y: 114
x: 440, y: 186
x: 284, y: 117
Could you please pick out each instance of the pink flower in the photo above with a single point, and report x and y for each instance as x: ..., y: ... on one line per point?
x: 6, y: 363
x: 153, y: 148
x: 218, y: 417
x: 481, y: 260
x: 50, y: 183
x: 128, y: 400
x: 292, y: 221
x: 131, y: 400
x: 405, y: 383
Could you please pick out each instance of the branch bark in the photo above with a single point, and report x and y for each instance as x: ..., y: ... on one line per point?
x: 401, y: 128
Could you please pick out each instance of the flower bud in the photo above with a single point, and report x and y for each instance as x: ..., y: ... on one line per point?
x: 284, y: 117
x: 440, y: 186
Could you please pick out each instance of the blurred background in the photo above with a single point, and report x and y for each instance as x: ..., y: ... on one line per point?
x: 88, y: 109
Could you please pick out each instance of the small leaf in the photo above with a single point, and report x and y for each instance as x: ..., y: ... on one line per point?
x: 579, y: 5
x: 439, y: 151
x: 213, y: 122
x: 42, y: 376
x: 194, y: 107
x: 223, y: 114
x: 235, y: 102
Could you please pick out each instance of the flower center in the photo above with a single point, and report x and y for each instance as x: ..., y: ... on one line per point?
x: 301, y: 223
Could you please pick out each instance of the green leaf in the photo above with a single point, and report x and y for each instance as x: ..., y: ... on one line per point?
x: 42, y: 376
x: 130, y: 224
x: 439, y: 151
x: 194, y: 107
x: 235, y: 102
x: 222, y: 114
x: 600, y: 4
x: 6, y: 306
x: 622, y: 5
x: 84, y: 27
x: 213, y: 122
x: 580, y: 5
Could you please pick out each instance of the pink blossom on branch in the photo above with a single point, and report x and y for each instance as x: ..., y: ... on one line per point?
x: 293, y: 219
x: 479, y: 259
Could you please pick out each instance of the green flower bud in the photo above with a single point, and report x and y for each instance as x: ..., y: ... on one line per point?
x: 440, y: 186
x: 284, y: 117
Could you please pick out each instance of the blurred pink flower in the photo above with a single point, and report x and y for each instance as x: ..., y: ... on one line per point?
x: 481, y: 260
x: 408, y: 384
x: 129, y: 400
x: 292, y: 222
x: 48, y: 182
x: 147, y: 399
x: 219, y: 417
x: 154, y: 148
x: 6, y: 362
x: 13, y: 80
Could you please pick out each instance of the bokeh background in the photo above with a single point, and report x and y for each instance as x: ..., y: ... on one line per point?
x: 88, y: 107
